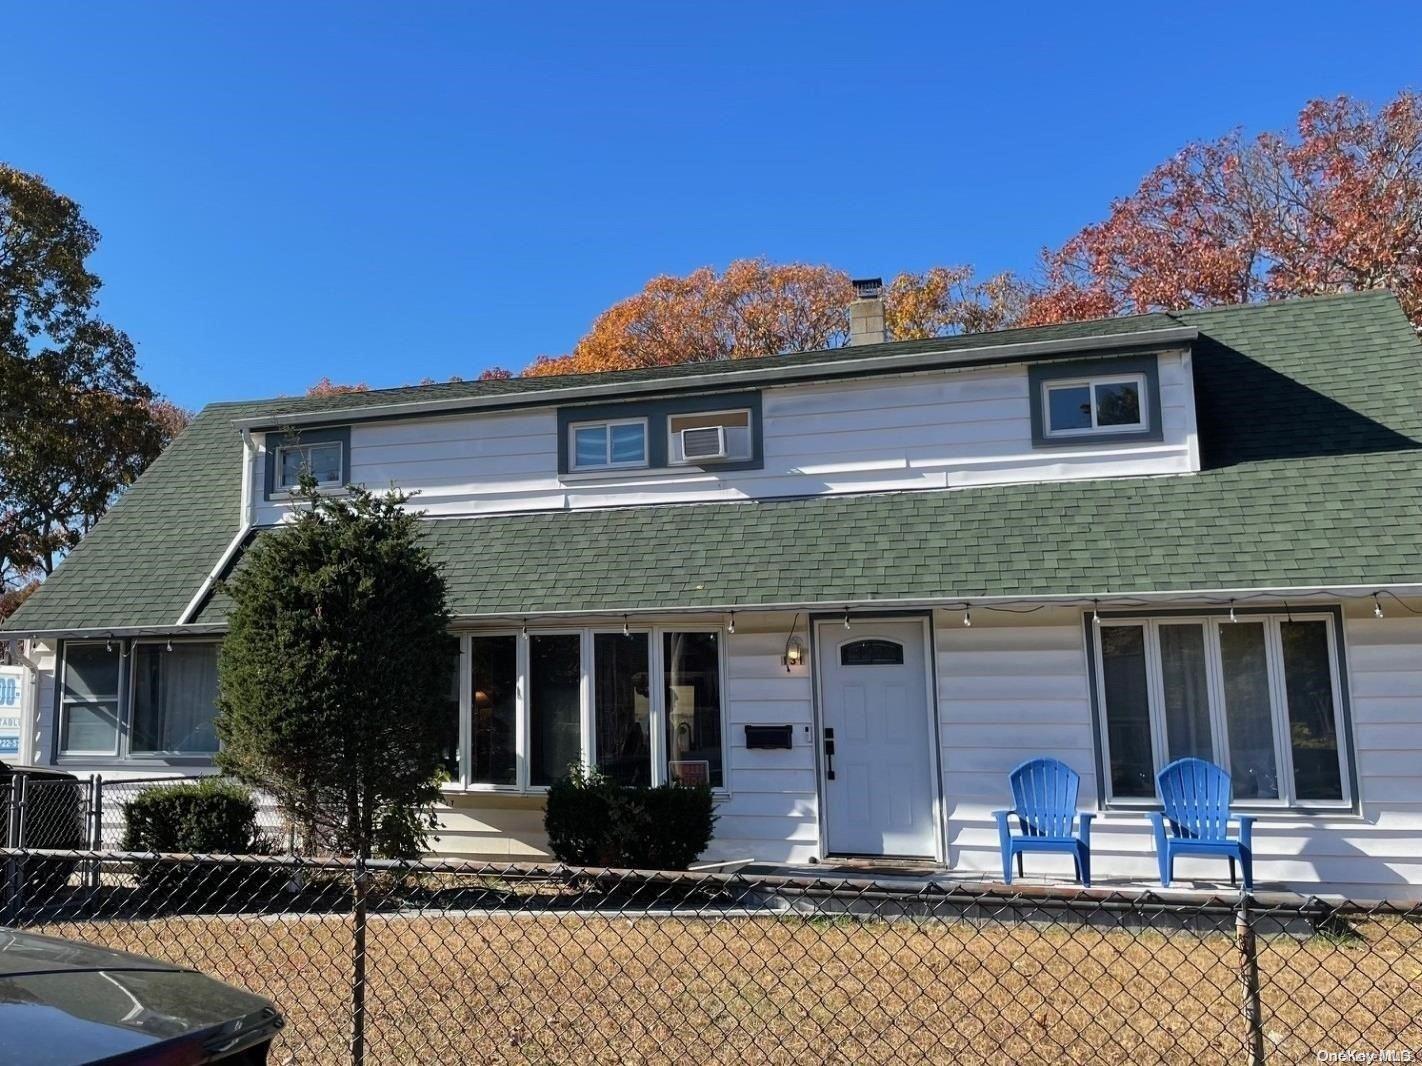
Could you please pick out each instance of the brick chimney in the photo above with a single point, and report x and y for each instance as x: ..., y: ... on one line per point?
x: 866, y: 313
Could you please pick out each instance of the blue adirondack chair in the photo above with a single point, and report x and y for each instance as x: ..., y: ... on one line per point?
x: 1196, y: 796
x: 1044, y: 791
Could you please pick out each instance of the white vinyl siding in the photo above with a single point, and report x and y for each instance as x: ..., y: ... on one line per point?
x: 933, y: 430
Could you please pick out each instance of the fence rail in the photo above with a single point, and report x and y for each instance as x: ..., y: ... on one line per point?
x: 446, y: 961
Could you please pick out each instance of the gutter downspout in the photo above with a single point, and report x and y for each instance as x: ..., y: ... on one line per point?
x: 249, y: 454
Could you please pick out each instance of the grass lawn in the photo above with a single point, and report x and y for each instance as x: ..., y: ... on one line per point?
x: 537, y: 988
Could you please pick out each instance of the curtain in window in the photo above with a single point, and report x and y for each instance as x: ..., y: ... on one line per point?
x: 1123, y: 665
x: 1185, y: 681
x: 174, y: 698
x: 1245, y: 662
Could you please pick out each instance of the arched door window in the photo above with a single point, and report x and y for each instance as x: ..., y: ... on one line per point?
x: 871, y: 652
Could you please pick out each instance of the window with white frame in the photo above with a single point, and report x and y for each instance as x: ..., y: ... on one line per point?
x: 1091, y: 405
x: 644, y: 706
x: 322, y: 460
x: 494, y: 709
x: 1258, y: 695
x: 608, y: 445
x: 142, y: 699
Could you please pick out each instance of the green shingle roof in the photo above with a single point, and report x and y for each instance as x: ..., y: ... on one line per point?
x: 1310, y: 414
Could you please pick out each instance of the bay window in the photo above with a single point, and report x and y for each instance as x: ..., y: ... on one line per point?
x: 643, y: 706
x: 1258, y: 695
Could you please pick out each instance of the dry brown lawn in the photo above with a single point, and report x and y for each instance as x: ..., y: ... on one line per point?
x: 564, y: 988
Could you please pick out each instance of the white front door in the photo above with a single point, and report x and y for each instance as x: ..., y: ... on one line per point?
x: 876, y: 755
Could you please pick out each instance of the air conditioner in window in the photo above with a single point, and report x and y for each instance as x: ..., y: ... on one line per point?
x: 703, y: 442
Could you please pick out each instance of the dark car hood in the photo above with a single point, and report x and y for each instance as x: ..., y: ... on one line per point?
x: 26, y: 953
x: 63, y: 1003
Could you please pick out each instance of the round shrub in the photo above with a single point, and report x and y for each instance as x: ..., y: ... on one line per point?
x: 210, y: 816
x: 592, y: 821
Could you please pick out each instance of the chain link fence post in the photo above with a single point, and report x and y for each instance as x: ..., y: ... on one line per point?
x: 91, y: 835
x: 359, y: 877
x: 1252, y: 1012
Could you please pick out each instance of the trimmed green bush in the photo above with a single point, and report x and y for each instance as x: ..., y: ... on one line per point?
x: 211, y: 816
x: 592, y: 821
x: 207, y: 817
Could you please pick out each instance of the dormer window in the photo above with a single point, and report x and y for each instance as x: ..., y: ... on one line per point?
x: 1114, y: 400
x: 320, y: 461
x: 713, y: 433
x: 324, y: 453
x: 609, y: 445
x: 1095, y: 405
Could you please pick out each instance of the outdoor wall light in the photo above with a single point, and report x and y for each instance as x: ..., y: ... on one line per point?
x: 794, y: 653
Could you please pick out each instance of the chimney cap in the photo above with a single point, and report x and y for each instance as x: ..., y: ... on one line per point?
x: 868, y: 288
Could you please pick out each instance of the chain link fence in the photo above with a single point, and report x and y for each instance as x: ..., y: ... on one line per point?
x: 53, y: 809
x: 451, y: 962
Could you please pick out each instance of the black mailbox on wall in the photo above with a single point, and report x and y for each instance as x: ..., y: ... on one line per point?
x: 768, y: 736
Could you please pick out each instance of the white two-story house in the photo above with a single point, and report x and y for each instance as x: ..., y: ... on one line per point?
x: 851, y: 589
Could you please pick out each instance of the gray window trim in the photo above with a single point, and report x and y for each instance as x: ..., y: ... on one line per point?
x: 275, y: 441
x: 1340, y: 664
x: 656, y: 413
x: 1040, y: 374
x: 125, y: 648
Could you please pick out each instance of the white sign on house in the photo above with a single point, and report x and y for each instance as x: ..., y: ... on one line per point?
x: 12, y: 689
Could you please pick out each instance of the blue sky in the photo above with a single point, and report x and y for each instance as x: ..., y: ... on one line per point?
x: 389, y: 192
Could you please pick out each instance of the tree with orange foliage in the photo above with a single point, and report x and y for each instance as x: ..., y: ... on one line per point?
x: 756, y: 308
x: 1336, y: 208
x: 327, y: 387
x: 945, y: 300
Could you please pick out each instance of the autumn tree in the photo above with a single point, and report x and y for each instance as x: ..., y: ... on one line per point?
x: 755, y: 308
x: 1335, y: 207
x: 948, y: 300
x: 327, y: 387
x: 79, y: 426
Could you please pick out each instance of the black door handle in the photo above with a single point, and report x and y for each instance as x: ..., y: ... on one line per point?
x: 829, y: 754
